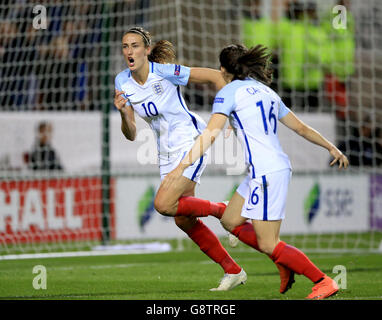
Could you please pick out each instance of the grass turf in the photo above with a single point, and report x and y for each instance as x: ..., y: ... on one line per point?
x: 185, y: 275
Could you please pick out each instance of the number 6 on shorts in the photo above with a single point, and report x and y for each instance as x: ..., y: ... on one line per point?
x: 254, y: 198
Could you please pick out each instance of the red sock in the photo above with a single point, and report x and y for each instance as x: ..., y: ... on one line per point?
x: 195, y: 207
x: 211, y: 246
x: 296, y: 260
x: 246, y: 234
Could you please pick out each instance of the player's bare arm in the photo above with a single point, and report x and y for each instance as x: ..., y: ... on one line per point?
x: 128, y: 126
x: 202, y: 143
x: 207, y: 75
x: 312, y: 135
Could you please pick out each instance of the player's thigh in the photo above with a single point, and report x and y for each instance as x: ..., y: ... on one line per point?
x: 267, y: 234
x: 166, y: 200
x: 232, y: 214
x: 183, y: 222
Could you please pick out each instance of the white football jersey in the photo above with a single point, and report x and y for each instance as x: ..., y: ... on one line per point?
x: 254, y: 110
x: 160, y: 103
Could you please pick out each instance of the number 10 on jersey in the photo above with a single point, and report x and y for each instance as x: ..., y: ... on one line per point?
x: 151, y: 110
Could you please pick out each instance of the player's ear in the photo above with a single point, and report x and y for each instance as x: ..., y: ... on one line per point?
x: 148, y: 50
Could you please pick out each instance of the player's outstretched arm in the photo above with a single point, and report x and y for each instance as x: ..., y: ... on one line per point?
x: 201, y: 144
x: 312, y: 135
x: 207, y: 75
x: 205, y: 140
x: 128, y: 126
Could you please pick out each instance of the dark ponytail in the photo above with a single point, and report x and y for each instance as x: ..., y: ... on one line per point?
x: 163, y: 52
x: 243, y: 62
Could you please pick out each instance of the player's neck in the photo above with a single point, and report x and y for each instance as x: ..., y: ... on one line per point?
x: 141, y: 75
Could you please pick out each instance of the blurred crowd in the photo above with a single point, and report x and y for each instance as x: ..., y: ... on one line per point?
x: 55, y: 68
x: 312, y: 59
x: 313, y: 63
x: 48, y: 69
x: 60, y: 68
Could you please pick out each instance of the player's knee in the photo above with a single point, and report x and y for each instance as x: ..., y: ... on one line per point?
x: 265, y: 246
x: 229, y: 224
x: 226, y: 225
x: 162, y: 206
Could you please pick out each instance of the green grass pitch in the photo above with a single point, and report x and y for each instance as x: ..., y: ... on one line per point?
x: 185, y: 275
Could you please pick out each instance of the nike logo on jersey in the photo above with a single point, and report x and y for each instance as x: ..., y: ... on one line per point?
x: 129, y: 95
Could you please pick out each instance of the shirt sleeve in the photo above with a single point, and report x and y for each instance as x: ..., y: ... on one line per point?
x: 175, y: 73
x: 118, y: 87
x: 224, y: 101
x: 283, y: 110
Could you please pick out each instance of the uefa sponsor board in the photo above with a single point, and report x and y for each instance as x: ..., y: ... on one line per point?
x: 47, y: 210
x: 315, y: 204
x: 50, y: 210
x: 135, y: 214
x: 327, y: 203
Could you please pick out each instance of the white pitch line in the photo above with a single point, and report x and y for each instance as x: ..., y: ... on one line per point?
x: 74, y: 254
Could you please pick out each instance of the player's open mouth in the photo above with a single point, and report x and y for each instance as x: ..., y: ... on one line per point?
x: 130, y: 62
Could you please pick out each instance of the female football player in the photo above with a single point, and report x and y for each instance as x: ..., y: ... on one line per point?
x: 254, y: 110
x: 150, y: 87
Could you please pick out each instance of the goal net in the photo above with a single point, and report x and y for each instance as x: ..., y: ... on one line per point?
x: 70, y: 181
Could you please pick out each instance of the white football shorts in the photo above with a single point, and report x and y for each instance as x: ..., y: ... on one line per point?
x: 265, y: 197
x: 193, y: 172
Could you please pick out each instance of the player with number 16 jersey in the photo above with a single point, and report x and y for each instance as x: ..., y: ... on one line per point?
x: 254, y: 110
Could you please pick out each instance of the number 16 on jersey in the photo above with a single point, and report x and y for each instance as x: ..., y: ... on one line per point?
x: 271, y: 116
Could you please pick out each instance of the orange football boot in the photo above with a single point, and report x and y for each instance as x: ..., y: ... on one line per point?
x: 325, y: 288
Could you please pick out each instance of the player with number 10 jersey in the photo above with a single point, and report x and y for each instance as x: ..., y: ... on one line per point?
x: 160, y: 103
x: 150, y: 87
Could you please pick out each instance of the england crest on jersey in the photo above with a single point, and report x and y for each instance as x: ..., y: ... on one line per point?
x: 157, y: 88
